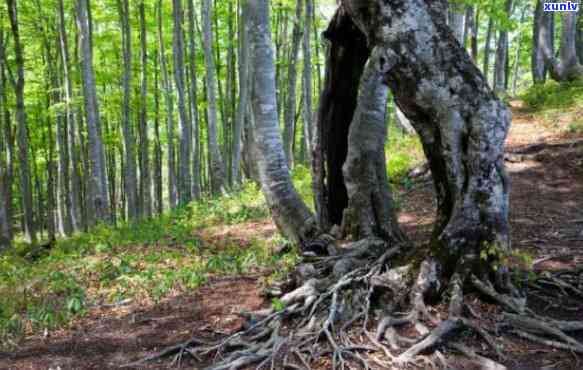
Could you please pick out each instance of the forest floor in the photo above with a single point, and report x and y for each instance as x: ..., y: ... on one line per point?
x: 546, y: 167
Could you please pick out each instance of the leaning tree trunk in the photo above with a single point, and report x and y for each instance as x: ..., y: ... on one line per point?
x: 461, y: 122
x: 456, y: 20
x: 289, y: 211
x: 403, y: 122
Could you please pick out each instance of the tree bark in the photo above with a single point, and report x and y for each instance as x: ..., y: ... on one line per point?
x: 502, y: 55
x: 169, y: 100
x: 456, y: 20
x: 292, y: 71
x: 98, y: 191
x: 538, y: 67
x: 487, y: 49
x: 6, y: 165
x: 370, y: 211
x: 130, y: 176
x: 244, y: 88
x: 184, y: 163
x: 145, y: 178
x: 566, y: 67
x: 291, y: 215
x: 158, y: 179
x: 307, y: 82
x: 193, y: 90
x: 461, y: 122
x: 22, y: 135
x: 72, y: 143
x: 217, y: 166
x: 347, y: 55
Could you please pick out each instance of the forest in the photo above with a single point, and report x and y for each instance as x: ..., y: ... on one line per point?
x: 291, y: 184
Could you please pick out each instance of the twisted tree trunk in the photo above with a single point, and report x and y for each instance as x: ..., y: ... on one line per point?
x: 566, y: 67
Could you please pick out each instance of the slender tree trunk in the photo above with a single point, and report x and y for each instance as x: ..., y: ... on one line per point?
x: 487, y: 49
x: 185, y: 131
x: 22, y: 135
x: 169, y: 100
x: 244, y: 88
x: 158, y: 180
x: 130, y: 177
x: 145, y: 178
x: 98, y: 190
x: 292, y: 71
x: 403, y: 122
x: 193, y: 87
x: 474, y: 35
x: 307, y: 82
x: 518, y: 51
x: 71, y: 132
x: 290, y: 213
x: 538, y: 66
x: 6, y: 152
x: 468, y: 24
x: 456, y: 20
x: 217, y: 166
x: 502, y: 55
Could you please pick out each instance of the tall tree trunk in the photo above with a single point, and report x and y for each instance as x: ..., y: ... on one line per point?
x: 217, y: 166
x: 244, y: 88
x: 487, y: 49
x: 130, y: 177
x: 538, y: 67
x: 98, y: 190
x: 71, y: 134
x: 158, y: 179
x: 6, y: 166
x: 579, y: 40
x: 292, y: 71
x: 145, y: 178
x: 518, y: 51
x: 307, y: 82
x: 193, y: 87
x: 456, y: 20
x: 502, y: 55
x: 566, y: 67
x: 474, y: 35
x: 169, y: 100
x: 185, y: 131
x: 290, y: 213
x: 22, y: 136
x: 370, y: 211
x: 347, y: 55
x: 462, y: 126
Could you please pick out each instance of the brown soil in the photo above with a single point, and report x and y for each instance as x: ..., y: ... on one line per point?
x: 547, y: 222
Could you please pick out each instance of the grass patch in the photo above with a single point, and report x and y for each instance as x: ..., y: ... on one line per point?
x: 145, y: 262
x: 554, y: 96
x: 404, y: 152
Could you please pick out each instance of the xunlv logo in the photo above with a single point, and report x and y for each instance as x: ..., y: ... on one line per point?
x: 561, y: 7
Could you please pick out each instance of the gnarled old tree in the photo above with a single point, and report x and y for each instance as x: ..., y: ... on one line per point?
x: 380, y: 280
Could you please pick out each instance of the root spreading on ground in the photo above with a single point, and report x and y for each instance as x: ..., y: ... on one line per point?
x: 362, y: 309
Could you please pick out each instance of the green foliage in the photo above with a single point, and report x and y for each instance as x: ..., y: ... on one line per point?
x: 404, y: 152
x: 554, y: 96
x: 145, y: 261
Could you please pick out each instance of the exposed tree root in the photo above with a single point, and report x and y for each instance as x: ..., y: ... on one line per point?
x: 340, y: 299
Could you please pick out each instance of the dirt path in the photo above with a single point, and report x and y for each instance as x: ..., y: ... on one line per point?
x: 546, y: 218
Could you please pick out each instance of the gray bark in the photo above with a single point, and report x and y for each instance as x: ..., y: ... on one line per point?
x: 217, y: 166
x: 169, y: 100
x: 566, y: 67
x: 29, y: 227
x: 370, y: 211
x: 462, y: 125
x: 579, y: 41
x: 292, y: 71
x: 518, y: 51
x: 403, y: 122
x: 243, y: 104
x: 538, y: 67
x: 502, y: 56
x: 185, y: 131
x: 193, y: 87
x: 487, y: 49
x: 290, y: 213
x: 145, y: 178
x: 72, y: 142
x: 456, y: 20
x: 130, y: 176
x: 307, y: 82
x: 98, y: 183
x: 158, y: 179
x: 6, y: 166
